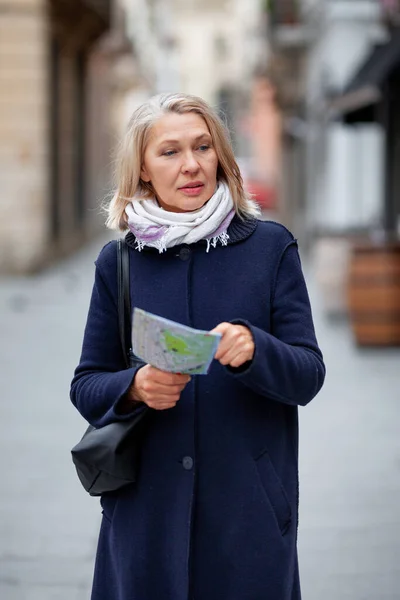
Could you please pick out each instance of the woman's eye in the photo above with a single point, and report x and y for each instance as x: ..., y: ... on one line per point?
x: 169, y: 153
x: 204, y: 147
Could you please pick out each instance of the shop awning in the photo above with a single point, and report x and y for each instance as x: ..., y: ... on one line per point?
x: 79, y: 23
x: 365, y: 90
x: 101, y: 7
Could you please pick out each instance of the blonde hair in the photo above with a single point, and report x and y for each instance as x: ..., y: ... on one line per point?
x: 133, y: 145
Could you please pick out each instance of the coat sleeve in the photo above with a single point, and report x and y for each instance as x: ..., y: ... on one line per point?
x: 101, y: 379
x: 287, y: 365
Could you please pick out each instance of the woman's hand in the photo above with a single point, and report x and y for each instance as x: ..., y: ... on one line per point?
x: 156, y: 388
x: 236, y: 346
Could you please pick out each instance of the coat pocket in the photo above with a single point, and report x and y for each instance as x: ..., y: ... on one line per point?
x: 274, y: 491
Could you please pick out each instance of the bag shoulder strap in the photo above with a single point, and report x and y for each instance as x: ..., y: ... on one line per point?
x: 124, y: 299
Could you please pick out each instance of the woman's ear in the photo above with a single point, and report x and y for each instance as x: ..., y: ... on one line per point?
x: 143, y: 175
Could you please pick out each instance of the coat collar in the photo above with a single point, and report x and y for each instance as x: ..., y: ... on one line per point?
x: 238, y: 230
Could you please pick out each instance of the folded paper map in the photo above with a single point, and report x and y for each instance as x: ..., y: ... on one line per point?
x: 170, y: 346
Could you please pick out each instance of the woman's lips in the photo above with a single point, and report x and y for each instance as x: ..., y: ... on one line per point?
x: 192, y: 190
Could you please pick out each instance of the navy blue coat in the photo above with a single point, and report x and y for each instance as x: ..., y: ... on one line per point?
x: 213, y: 515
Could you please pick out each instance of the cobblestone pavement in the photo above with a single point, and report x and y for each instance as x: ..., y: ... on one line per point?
x: 349, y: 535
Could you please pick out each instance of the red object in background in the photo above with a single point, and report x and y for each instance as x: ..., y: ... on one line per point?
x: 264, y: 195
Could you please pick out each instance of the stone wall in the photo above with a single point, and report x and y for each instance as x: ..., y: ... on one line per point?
x: 23, y: 134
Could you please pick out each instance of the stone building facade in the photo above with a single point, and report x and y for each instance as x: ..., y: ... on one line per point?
x: 54, y: 130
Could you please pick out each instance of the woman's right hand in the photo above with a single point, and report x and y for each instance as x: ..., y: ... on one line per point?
x: 158, y: 389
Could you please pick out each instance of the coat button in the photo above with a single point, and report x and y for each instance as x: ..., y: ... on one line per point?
x: 185, y: 253
x: 187, y: 463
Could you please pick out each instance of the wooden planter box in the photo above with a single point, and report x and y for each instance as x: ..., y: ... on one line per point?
x: 373, y: 293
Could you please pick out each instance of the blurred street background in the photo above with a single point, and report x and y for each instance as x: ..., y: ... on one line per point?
x: 310, y: 90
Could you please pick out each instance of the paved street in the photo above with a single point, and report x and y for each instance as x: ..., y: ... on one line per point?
x: 48, y: 524
x: 349, y: 536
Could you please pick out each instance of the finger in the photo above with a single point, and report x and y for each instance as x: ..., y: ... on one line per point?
x: 154, y: 401
x: 153, y: 388
x: 230, y: 356
x: 246, y: 349
x: 181, y: 378
x: 169, y: 378
x: 229, y: 342
x: 225, y: 346
x: 239, y: 360
x: 221, y: 328
x: 237, y: 338
x: 164, y: 406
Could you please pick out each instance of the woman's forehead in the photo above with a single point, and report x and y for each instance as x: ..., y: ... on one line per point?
x: 176, y: 127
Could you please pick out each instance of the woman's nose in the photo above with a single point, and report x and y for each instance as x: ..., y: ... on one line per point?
x: 190, y: 163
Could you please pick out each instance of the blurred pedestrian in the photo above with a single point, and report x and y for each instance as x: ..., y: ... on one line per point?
x: 213, y: 514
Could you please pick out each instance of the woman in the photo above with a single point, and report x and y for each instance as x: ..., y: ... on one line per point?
x: 213, y: 515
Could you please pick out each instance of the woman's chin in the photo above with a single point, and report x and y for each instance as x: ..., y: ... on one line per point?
x: 190, y: 204
x: 185, y: 205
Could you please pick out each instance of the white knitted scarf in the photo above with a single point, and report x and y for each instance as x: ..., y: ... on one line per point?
x: 158, y: 228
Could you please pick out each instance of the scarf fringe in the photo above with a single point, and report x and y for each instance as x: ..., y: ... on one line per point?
x: 159, y: 244
x: 222, y: 238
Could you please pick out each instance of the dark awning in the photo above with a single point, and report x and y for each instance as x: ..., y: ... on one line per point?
x: 79, y: 23
x: 102, y: 7
x: 365, y: 89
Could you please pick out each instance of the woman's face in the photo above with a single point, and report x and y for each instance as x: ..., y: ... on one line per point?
x: 180, y: 162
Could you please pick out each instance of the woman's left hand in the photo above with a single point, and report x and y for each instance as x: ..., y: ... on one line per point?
x: 236, y: 346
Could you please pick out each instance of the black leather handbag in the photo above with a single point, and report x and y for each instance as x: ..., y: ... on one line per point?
x: 106, y: 459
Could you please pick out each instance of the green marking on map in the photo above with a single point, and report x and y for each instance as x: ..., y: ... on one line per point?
x: 176, y: 344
